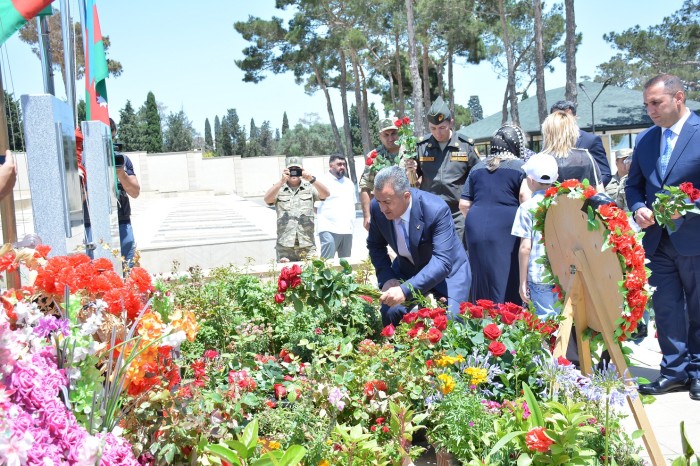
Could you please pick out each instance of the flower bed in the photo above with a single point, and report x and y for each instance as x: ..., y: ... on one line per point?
x: 298, y: 370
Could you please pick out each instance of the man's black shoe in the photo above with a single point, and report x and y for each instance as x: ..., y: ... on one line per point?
x: 695, y: 389
x: 664, y: 385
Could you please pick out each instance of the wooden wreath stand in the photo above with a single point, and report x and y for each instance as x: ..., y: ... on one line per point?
x: 590, y: 277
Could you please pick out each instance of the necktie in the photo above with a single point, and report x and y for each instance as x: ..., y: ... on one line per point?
x: 666, y: 156
x: 402, y: 239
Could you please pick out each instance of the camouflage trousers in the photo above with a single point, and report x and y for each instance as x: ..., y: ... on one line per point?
x: 295, y: 253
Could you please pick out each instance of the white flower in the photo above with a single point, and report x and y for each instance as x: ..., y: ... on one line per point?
x: 27, y: 313
x: 13, y: 451
x: 174, y: 339
x: 92, y: 323
x: 89, y: 454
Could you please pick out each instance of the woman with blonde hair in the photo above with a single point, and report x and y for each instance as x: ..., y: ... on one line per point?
x: 560, y: 133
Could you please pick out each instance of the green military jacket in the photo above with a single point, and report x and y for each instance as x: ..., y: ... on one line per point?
x: 295, y: 215
x: 444, y: 172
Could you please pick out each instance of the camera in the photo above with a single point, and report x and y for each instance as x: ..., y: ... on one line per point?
x: 118, y: 146
x: 118, y: 160
x: 295, y: 171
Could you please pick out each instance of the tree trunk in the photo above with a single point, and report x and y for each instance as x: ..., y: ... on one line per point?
x: 539, y: 63
x: 399, y: 78
x: 329, y: 106
x: 346, y: 116
x: 450, y: 81
x: 511, y: 92
x: 570, y: 51
x: 361, y: 115
x: 392, y: 91
x: 419, y: 116
x: 426, y: 74
x: 365, y: 111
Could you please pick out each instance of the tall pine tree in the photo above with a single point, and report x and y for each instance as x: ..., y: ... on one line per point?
x: 226, y: 146
x: 265, y: 139
x: 217, y: 136
x: 129, y: 128
x: 285, y: 123
x: 179, y: 134
x: 208, y: 140
x: 14, y: 122
x: 153, y: 133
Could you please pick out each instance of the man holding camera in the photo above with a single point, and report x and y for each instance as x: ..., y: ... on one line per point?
x: 293, y: 197
x: 127, y: 186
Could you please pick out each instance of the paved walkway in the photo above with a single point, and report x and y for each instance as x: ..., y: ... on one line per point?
x: 210, y: 231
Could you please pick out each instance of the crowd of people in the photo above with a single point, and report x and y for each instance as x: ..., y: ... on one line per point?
x: 465, y: 232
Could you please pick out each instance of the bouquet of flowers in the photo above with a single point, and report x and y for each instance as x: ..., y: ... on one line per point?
x: 675, y: 200
x: 407, y: 141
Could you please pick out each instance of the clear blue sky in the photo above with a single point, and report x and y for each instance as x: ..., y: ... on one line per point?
x: 184, y: 52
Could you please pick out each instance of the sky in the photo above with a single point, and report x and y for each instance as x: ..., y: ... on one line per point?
x: 184, y: 53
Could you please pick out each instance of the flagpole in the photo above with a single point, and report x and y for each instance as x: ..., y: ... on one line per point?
x: 7, y: 204
x: 68, y: 60
x: 42, y: 23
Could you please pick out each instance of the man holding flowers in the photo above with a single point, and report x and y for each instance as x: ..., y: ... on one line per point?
x: 666, y: 156
x: 385, y: 155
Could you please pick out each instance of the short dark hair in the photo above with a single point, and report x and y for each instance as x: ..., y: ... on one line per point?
x: 563, y: 106
x: 112, y: 125
x: 334, y: 157
x: 672, y: 83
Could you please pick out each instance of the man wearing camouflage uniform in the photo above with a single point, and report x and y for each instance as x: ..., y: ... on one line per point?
x: 445, y: 159
x: 293, y: 197
x: 616, y: 188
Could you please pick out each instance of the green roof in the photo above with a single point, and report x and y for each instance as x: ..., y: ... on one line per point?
x: 615, y: 108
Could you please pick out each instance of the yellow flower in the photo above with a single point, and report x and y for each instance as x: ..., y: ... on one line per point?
x: 445, y: 360
x: 185, y: 321
x: 446, y: 383
x: 477, y: 375
x: 324, y: 463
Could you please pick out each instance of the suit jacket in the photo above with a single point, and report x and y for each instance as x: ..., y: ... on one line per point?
x: 440, y: 262
x: 594, y: 144
x: 644, y: 181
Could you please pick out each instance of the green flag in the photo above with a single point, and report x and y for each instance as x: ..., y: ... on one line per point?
x: 14, y: 13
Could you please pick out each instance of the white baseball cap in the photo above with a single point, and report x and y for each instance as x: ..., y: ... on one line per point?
x: 542, y: 168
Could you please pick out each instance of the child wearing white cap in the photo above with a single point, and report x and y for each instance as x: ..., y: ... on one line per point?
x: 542, y: 171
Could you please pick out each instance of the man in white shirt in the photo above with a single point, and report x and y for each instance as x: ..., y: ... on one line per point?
x: 336, y: 214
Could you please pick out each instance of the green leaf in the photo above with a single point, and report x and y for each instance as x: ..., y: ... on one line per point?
x: 249, y: 437
x: 222, y: 452
x: 533, y: 405
x: 685, y: 444
x: 524, y: 460
x: 293, y: 456
x: 504, y: 440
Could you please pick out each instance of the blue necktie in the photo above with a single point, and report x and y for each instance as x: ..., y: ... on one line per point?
x: 666, y: 156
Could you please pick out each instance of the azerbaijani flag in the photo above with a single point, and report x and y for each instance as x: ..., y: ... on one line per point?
x: 95, y: 67
x: 14, y: 13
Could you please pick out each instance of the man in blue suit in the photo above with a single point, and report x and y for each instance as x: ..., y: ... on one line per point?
x: 430, y: 257
x: 668, y: 154
x: 589, y: 141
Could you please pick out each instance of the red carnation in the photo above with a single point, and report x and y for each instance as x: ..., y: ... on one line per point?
x: 492, y: 332
x: 551, y: 192
x: 497, y: 348
x: 589, y: 192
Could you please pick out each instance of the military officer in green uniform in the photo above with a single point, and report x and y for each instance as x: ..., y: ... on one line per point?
x: 445, y: 159
x: 293, y: 197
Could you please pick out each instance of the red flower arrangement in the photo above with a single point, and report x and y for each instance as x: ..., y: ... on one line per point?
x: 427, y: 324
x: 290, y: 277
x: 622, y: 239
x: 675, y: 200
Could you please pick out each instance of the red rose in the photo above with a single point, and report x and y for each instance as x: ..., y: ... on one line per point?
x: 369, y: 161
x: 477, y: 312
x: 434, y: 335
x: 380, y: 420
x: 385, y: 429
x: 536, y: 439
x: 280, y: 391
x: 279, y: 298
x: 410, y: 317
x: 406, y: 120
x: 692, y: 193
x: 485, y: 303
x: 492, y: 332
x: 416, y: 329
x: 373, y: 154
x: 508, y: 317
x: 424, y: 313
x: 440, y: 322
x: 463, y: 308
x: 373, y: 428
x: 388, y: 331
x: 270, y: 404
x: 497, y: 348
x: 282, y: 285
x: 398, y: 123
x: 285, y: 355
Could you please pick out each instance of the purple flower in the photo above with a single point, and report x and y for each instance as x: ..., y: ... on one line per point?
x: 47, y: 325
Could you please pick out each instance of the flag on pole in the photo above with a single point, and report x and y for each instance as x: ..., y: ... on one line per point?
x: 14, y: 13
x: 95, y: 67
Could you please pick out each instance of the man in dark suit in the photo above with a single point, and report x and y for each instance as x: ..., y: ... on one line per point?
x: 430, y: 257
x: 588, y: 141
x: 668, y: 154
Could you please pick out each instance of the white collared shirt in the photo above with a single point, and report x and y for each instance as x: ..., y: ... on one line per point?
x: 676, y: 129
x: 401, y: 224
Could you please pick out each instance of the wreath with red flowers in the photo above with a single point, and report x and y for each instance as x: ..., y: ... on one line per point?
x: 618, y: 236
